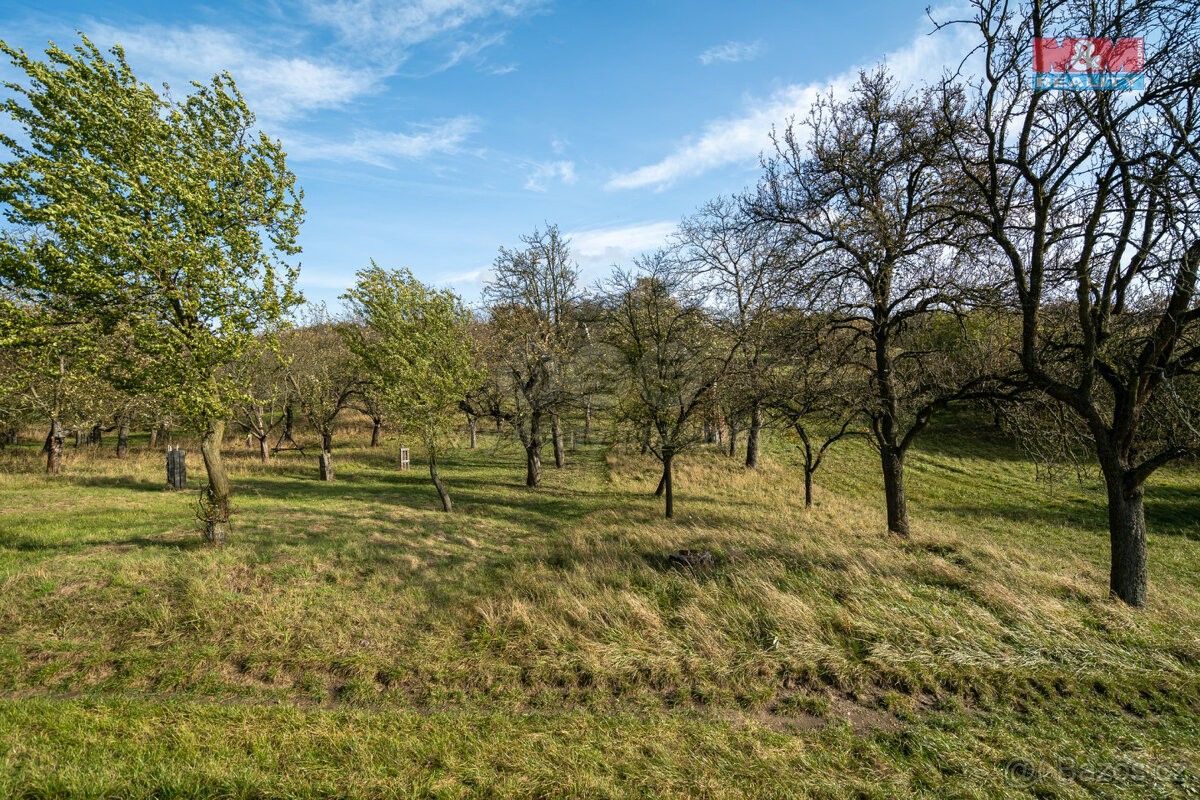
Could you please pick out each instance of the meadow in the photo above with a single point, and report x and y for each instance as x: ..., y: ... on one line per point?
x: 351, y: 640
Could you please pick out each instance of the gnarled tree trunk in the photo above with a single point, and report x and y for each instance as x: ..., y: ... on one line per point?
x: 54, y: 448
x: 443, y: 495
x: 376, y: 428
x: 533, y: 451
x: 756, y: 422
x: 893, y: 487
x: 219, y: 494
x: 1128, y: 574
x: 122, y: 439
x: 560, y: 457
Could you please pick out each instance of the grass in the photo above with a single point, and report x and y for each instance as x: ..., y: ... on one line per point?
x: 351, y: 640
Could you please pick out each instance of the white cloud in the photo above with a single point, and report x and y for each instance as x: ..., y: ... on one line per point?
x: 740, y: 139
x: 546, y: 171
x: 731, y: 53
x: 408, y: 22
x: 276, y: 87
x: 597, y: 248
x: 383, y: 148
x: 470, y: 277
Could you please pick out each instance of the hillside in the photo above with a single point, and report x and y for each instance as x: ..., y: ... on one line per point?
x: 352, y: 640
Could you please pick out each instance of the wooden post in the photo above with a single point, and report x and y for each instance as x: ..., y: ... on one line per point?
x: 326, y: 466
x: 176, y: 468
x: 403, y: 458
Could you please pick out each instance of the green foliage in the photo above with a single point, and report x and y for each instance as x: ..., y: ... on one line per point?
x: 167, y: 221
x: 415, y: 344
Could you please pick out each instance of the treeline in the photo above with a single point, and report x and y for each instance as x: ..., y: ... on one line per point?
x: 975, y: 240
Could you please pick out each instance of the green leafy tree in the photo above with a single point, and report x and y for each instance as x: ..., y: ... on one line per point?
x: 166, y: 221
x: 417, y: 343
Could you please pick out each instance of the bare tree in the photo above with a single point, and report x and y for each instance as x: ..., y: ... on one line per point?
x: 738, y: 266
x: 534, y: 336
x: 1090, y: 199
x: 810, y: 387
x: 664, y: 346
x: 867, y: 191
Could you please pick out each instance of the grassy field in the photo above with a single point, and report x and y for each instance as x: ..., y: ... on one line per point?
x: 351, y: 640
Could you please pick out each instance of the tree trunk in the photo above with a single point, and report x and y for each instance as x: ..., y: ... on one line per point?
x: 54, y: 448
x: 733, y: 433
x: 1127, y: 578
x: 376, y: 427
x: 122, y: 439
x: 473, y: 429
x: 808, y: 486
x: 79, y: 437
x: 560, y: 457
x: 756, y: 421
x: 264, y: 449
x: 219, y: 493
x: 443, y: 495
x: 327, y: 441
x: 646, y: 440
x: 893, y: 487
x: 289, y: 423
x: 587, y: 421
x: 668, y: 468
x: 662, y: 485
x: 154, y: 437
x: 97, y: 434
x: 533, y: 452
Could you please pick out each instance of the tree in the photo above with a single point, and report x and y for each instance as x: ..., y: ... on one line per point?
x: 1089, y: 199
x: 868, y: 194
x: 48, y: 363
x: 739, y: 266
x: 810, y: 386
x: 417, y: 341
x: 664, y: 348
x: 261, y: 373
x: 322, y: 374
x: 165, y: 221
x: 534, y: 337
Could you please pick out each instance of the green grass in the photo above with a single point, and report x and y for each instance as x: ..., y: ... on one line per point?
x: 351, y: 640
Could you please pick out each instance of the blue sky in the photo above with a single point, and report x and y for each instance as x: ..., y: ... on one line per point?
x: 427, y: 133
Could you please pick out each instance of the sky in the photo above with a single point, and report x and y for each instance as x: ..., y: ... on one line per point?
x: 428, y: 133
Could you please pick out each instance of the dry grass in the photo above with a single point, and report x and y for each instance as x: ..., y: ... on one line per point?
x: 352, y: 640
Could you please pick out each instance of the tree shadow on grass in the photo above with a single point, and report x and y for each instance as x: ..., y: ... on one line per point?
x: 1170, y: 511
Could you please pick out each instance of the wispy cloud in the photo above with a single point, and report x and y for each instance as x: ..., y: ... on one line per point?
x: 409, y: 22
x: 470, y: 277
x: 544, y: 172
x: 276, y: 86
x: 384, y: 148
x: 741, y: 138
x: 731, y: 53
x: 598, y: 248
